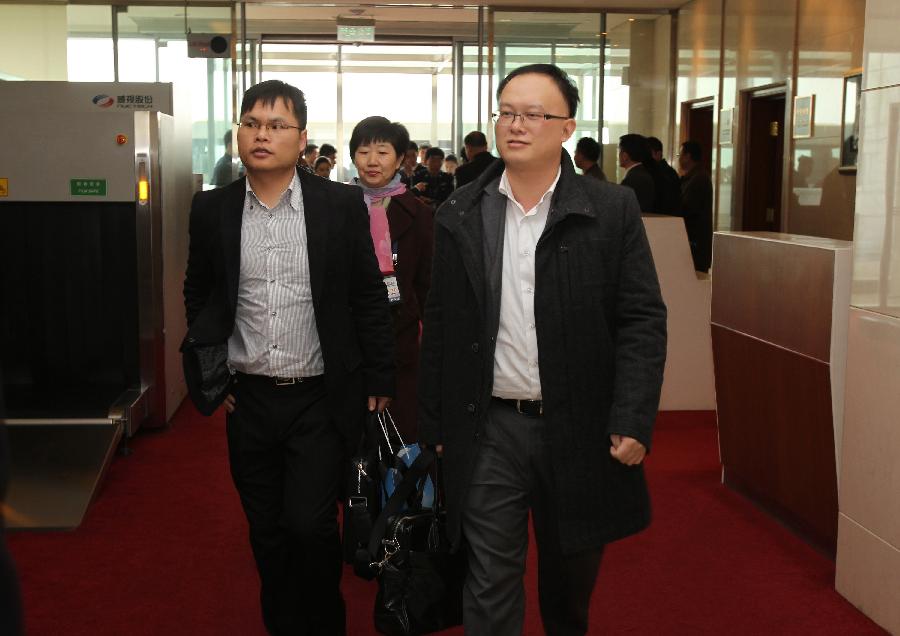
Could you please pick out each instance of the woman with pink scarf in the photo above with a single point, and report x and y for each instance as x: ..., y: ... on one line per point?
x: 402, y: 231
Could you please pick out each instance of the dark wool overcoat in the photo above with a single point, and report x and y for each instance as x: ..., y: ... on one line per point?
x: 411, y: 224
x: 601, y: 332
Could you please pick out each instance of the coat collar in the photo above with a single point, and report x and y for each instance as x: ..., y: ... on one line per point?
x: 315, y: 213
x: 569, y: 197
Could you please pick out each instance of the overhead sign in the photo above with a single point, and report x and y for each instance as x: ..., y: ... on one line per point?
x: 355, y: 29
x: 87, y: 187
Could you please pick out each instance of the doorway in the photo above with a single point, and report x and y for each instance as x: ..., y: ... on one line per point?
x: 697, y: 125
x: 763, y: 161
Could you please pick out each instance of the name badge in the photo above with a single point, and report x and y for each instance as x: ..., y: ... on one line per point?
x: 393, y: 289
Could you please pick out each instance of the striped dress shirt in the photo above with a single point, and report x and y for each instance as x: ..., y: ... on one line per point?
x: 275, y: 330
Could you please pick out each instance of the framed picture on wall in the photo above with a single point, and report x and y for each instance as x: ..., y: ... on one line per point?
x: 850, y: 122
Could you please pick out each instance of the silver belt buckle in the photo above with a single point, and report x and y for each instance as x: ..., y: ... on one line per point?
x: 285, y: 381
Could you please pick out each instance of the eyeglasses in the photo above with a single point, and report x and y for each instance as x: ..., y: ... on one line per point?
x: 507, y: 117
x: 275, y: 127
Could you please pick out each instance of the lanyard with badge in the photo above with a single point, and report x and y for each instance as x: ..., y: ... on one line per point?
x: 385, y: 249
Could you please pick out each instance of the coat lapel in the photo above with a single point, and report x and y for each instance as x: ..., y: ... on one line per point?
x: 232, y: 216
x: 400, y: 217
x: 493, y: 215
x: 316, y: 215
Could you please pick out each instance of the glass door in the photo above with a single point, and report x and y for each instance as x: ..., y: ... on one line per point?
x: 411, y: 84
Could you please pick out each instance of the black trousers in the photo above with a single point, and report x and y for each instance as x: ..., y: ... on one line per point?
x: 286, y: 457
x: 513, y: 474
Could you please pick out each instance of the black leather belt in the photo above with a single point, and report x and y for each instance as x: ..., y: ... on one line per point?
x: 278, y: 381
x: 530, y: 408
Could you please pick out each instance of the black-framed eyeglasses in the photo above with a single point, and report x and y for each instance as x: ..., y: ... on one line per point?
x: 507, y: 117
x: 272, y: 126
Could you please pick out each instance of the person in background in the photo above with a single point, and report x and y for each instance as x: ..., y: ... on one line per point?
x: 543, y: 349
x: 423, y: 150
x: 403, y: 248
x: 409, y: 167
x: 222, y: 174
x: 587, y: 154
x: 479, y: 158
x: 451, y: 164
x: 696, y: 204
x: 435, y: 185
x: 323, y: 167
x: 666, y: 182
x: 634, y: 154
x: 329, y: 151
x: 307, y: 160
x: 288, y: 315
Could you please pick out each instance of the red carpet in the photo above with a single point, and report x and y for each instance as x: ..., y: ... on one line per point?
x: 163, y: 551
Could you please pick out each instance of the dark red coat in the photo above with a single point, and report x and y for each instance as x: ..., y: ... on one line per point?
x: 411, y: 223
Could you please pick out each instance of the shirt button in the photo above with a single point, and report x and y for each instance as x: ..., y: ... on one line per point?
x: 525, y: 253
x: 475, y: 347
x: 531, y: 326
x: 529, y: 290
x: 274, y: 346
x: 470, y: 408
x: 274, y: 313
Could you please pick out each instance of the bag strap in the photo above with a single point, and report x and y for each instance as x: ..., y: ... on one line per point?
x: 416, y: 472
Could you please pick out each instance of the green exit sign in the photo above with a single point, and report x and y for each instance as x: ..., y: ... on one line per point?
x: 87, y: 187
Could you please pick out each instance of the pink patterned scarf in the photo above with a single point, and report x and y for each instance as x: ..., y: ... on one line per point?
x: 378, y: 221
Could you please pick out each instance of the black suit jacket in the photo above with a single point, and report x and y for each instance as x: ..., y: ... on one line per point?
x: 470, y: 171
x: 640, y: 180
x: 349, y: 297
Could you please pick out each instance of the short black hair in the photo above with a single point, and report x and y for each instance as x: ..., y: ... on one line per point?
x: 693, y: 149
x: 321, y: 160
x: 589, y: 147
x: 636, y: 147
x: 451, y: 158
x: 327, y: 150
x: 269, y: 92
x: 227, y: 137
x: 655, y: 144
x: 434, y: 151
x: 310, y: 148
x: 412, y: 146
x: 476, y: 139
x: 561, y: 79
x: 377, y: 128
x: 425, y: 146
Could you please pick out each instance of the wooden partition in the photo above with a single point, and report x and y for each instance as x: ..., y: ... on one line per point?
x: 779, y: 329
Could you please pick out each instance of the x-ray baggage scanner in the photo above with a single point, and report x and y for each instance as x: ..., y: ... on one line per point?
x: 95, y: 190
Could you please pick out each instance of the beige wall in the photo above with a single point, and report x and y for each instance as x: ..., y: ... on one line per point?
x: 868, y: 557
x: 33, y: 42
x: 729, y: 46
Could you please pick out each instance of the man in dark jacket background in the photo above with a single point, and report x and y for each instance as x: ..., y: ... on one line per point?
x: 542, y: 358
x: 666, y: 181
x: 479, y: 156
x: 696, y: 204
x: 634, y: 157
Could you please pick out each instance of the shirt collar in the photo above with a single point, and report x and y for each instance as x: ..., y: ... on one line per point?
x: 293, y: 193
x: 506, y: 190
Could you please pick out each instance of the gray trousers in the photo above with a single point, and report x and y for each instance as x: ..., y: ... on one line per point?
x: 512, y: 474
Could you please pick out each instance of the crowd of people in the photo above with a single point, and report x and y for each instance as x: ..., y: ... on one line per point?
x: 468, y: 298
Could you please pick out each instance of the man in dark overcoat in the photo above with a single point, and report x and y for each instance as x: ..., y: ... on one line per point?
x: 542, y: 359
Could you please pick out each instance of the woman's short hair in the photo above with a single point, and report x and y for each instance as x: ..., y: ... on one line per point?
x: 377, y: 128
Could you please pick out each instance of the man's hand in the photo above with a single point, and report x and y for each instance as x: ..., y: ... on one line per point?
x: 229, y: 403
x: 421, y: 186
x: 627, y: 450
x: 377, y: 403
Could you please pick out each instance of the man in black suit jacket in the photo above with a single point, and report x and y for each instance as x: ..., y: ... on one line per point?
x: 633, y: 154
x: 283, y: 289
x: 479, y: 158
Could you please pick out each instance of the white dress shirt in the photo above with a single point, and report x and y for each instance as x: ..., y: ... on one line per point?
x: 516, y: 373
x: 275, y: 330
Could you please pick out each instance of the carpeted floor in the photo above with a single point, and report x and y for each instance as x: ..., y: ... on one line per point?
x: 164, y: 551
